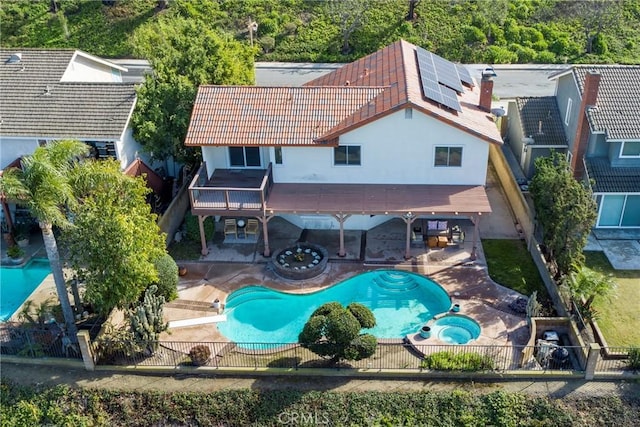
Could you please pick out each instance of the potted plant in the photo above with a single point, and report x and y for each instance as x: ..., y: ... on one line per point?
x: 22, y: 231
x: 16, y: 253
x: 200, y: 355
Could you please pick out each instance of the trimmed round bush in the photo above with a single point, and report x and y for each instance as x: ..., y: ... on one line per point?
x: 167, y: 277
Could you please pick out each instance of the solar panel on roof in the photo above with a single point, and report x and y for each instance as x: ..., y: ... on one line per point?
x: 465, y: 77
x: 450, y: 98
x: 447, y: 73
x: 433, y: 87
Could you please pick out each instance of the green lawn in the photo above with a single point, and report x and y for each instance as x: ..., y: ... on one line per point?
x: 619, y: 316
x: 510, y: 265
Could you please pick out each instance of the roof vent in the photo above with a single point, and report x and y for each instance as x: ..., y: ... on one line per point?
x: 47, y: 90
x: 15, y: 58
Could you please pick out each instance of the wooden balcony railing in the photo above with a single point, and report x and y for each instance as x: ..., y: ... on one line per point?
x: 207, y: 197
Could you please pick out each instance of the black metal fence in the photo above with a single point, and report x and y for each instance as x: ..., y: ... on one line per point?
x: 388, y: 356
x: 36, y: 340
x: 618, y: 360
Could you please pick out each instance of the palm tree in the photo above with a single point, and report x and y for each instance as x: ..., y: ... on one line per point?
x: 588, y: 284
x: 42, y: 186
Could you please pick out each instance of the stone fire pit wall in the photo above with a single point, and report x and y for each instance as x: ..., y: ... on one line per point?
x: 288, y: 270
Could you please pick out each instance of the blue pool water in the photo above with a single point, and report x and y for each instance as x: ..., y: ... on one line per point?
x: 401, y: 302
x: 16, y: 284
x: 455, y: 329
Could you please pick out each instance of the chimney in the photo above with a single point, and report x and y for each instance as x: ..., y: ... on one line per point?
x: 486, y: 89
x: 589, y: 98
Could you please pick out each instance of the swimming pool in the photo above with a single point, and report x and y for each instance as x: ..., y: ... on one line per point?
x: 400, y: 301
x: 16, y: 284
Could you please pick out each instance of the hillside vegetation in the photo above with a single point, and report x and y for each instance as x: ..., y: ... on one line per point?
x: 61, y: 405
x: 468, y: 31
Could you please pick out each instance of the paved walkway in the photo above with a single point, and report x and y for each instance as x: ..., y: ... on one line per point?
x: 50, y: 376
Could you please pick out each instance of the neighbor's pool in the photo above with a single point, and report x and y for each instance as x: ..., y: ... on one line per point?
x: 400, y: 301
x: 16, y: 284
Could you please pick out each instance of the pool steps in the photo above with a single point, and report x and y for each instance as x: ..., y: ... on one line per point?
x: 396, y: 282
x: 248, y: 294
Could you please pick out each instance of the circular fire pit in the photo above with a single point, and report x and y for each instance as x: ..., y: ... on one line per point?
x: 299, y: 262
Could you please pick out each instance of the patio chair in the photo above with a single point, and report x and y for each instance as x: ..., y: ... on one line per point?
x: 230, y: 227
x: 252, y: 227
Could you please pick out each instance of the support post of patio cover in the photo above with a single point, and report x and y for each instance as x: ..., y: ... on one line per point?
x: 203, y: 237
x: 474, y: 249
x: 341, y: 219
x: 408, y: 218
x: 265, y: 233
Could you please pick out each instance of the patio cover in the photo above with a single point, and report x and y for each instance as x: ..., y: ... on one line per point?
x: 377, y: 199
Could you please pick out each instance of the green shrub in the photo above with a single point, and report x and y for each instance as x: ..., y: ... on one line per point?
x: 167, y: 277
x: 267, y: 43
x: 450, y: 361
x: 334, y: 331
x: 363, y: 314
x: 499, y: 55
x: 599, y: 46
x: 193, y: 230
x: 634, y: 358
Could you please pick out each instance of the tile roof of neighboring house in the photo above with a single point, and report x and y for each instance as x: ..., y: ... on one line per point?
x: 617, y: 109
x: 34, y: 103
x: 251, y: 115
x: 540, y: 119
x: 379, y: 84
x: 610, y: 179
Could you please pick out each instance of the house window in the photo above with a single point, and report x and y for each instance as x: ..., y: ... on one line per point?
x: 620, y: 210
x: 448, y: 156
x: 244, y: 157
x: 42, y: 142
x: 630, y: 149
x: 569, y: 157
x: 567, y: 115
x: 278, y: 155
x: 347, y: 155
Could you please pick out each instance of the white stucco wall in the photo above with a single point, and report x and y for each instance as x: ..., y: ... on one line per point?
x: 394, y: 150
x: 128, y: 149
x: 83, y: 69
x: 12, y: 148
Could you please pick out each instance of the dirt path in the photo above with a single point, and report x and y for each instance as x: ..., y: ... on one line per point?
x: 44, y: 375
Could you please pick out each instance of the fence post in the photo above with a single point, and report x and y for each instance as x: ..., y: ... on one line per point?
x: 592, y: 360
x: 84, y: 342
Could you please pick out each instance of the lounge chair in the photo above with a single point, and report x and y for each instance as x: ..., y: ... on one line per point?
x: 230, y: 227
x: 252, y: 227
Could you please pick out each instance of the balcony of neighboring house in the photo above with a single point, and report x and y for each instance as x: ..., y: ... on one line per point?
x: 230, y: 191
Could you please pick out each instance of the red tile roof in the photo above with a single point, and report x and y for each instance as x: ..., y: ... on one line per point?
x: 349, y: 97
x: 249, y: 115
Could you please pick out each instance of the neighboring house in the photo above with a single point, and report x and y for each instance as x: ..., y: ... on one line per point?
x: 63, y: 94
x: 401, y: 133
x: 598, y: 109
x: 535, y: 130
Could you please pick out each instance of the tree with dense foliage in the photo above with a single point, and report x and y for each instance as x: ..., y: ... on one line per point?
x: 593, y: 17
x: 115, y: 238
x: 565, y: 210
x: 334, y: 331
x: 42, y: 186
x: 184, y: 53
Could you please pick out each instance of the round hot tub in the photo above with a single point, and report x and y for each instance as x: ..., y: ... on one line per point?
x: 455, y: 329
